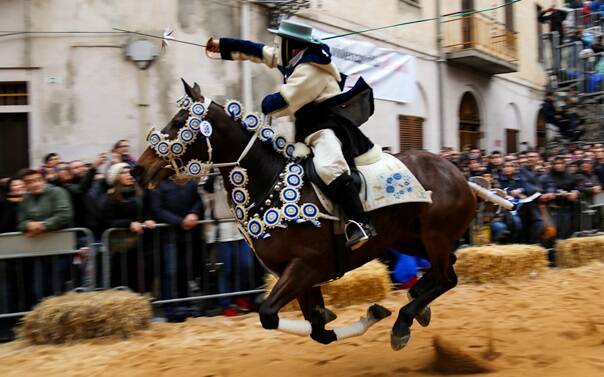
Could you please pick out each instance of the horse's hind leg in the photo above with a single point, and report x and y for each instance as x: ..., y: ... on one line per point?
x: 401, y: 331
x: 422, y: 286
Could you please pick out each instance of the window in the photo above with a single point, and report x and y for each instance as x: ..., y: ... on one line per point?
x: 13, y: 93
x: 511, y: 140
x: 411, y: 132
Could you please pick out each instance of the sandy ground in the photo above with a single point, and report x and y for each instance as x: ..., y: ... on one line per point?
x: 548, y: 325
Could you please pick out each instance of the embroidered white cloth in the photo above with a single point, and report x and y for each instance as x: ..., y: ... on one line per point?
x: 389, y: 182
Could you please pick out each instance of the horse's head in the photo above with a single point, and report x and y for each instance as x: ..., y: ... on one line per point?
x: 180, y: 144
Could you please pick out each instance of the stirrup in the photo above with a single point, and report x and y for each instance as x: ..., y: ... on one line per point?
x: 354, y: 241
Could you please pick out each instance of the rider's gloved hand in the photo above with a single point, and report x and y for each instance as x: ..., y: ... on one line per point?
x: 213, y: 45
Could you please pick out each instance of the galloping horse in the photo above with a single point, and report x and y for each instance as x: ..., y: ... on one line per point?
x: 303, y: 256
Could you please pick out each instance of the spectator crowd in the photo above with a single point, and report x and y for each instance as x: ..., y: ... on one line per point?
x: 103, y: 194
x: 556, y: 196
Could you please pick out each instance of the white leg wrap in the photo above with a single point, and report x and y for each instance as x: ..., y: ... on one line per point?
x: 296, y: 327
x: 355, y: 329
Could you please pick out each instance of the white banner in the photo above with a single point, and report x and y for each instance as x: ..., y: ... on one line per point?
x: 390, y: 73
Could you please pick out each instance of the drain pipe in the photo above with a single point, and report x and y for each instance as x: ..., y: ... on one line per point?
x: 246, y: 70
x: 440, y: 74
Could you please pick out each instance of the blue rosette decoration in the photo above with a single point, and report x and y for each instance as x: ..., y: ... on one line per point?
x: 205, y: 128
x: 233, y: 108
x: 194, y: 123
x: 240, y: 196
x: 194, y: 168
x: 238, y: 177
x: 197, y: 108
x: 251, y: 122
x: 255, y: 228
x: 240, y: 214
x: 293, y: 180
x: 267, y: 134
x: 310, y: 211
x: 184, y: 102
x: 279, y: 143
x: 289, y: 195
x: 289, y: 151
x: 290, y: 211
x: 295, y: 168
x: 154, y: 138
x: 272, y: 218
x: 186, y: 135
x: 163, y: 149
x: 177, y: 148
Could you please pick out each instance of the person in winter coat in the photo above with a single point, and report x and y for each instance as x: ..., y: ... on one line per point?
x: 312, y: 95
x: 124, y: 207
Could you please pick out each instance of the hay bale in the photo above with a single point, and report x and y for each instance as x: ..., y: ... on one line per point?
x: 575, y: 252
x: 85, y: 315
x: 496, y: 262
x: 369, y: 283
x: 450, y: 359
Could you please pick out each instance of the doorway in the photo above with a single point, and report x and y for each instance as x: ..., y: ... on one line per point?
x: 469, y: 121
x: 14, y: 143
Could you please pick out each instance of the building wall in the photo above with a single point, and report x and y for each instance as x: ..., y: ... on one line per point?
x: 85, y: 94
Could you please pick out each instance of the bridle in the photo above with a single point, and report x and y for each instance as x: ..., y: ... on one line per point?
x: 196, y: 123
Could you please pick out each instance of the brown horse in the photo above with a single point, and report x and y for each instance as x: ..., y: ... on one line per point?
x: 304, y: 256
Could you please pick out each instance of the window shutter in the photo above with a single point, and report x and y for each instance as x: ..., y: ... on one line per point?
x: 411, y: 132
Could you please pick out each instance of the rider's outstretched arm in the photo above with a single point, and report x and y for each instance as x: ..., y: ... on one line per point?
x: 304, y: 86
x: 239, y: 49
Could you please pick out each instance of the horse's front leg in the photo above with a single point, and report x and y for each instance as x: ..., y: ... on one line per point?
x: 295, y: 279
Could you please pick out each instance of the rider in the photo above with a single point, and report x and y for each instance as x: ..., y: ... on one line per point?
x: 326, y: 119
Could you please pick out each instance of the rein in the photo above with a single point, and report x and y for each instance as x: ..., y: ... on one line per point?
x: 172, y: 150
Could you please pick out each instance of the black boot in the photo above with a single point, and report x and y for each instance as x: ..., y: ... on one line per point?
x: 358, y: 229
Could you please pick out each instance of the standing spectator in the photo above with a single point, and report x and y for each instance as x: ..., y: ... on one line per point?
x: 231, y: 249
x: 125, y: 207
x: 560, y: 193
x: 495, y: 164
x: 507, y: 227
x: 45, y: 208
x: 475, y: 169
x: 555, y: 17
x: 9, y: 204
x: 121, y: 153
x: 599, y: 168
x: 181, y: 207
x: 50, y: 162
x: 589, y: 186
x: 529, y: 212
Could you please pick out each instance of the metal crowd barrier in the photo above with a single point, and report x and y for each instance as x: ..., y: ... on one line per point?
x: 32, y: 268
x: 587, y: 215
x: 139, y: 262
x: 568, y: 66
x: 593, y: 75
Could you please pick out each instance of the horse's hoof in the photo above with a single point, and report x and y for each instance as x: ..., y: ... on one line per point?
x: 398, y: 342
x: 424, y: 316
x: 378, y: 312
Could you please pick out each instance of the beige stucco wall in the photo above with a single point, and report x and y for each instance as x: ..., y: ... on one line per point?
x: 86, y: 94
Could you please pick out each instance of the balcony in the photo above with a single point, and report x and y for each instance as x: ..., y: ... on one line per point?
x: 480, y: 43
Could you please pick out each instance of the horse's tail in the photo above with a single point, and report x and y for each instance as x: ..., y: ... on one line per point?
x: 490, y: 197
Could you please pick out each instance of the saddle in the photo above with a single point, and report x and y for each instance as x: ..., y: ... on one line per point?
x: 381, y: 179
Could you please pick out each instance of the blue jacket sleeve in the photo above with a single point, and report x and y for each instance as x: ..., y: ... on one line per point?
x: 229, y: 45
x: 273, y: 102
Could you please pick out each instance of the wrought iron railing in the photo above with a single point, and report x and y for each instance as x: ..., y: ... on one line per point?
x: 480, y: 33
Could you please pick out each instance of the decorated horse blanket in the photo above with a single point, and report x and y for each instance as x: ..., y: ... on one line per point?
x: 386, y: 181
